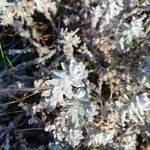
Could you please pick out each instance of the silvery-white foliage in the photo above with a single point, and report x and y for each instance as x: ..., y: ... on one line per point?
x: 62, y: 84
x: 7, y: 17
x: 147, y: 133
x: 80, y: 109
x: 29, y: 109
x: 88, y: 2
x: 143, y: 73
x: 133, y: 108
x: 111, y: 8
x: 3, y: 5
x: 76, y: 107
x: 128, y: 142
x: 69, y: 39
x: 128, y: 32
x: 28, y: 8
x: 70, y: 135
x: 115, y: 6
x: 68, y: 87
x: 133, y: 3
x: 101, y: 138
x: 106, y: 11
x: 76, y: 112
x: 60, y: 133
x: 54, y: 95
x: 69, y: 20
x: 74, y: 137
x: 60, y: 127
x: 72, y: 74
x: 96, y: 14
x: 46, y: 7
x: 96, y: 136
x: 24, y: 10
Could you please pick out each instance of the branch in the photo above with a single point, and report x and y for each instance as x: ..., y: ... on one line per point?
x: 29, y: 63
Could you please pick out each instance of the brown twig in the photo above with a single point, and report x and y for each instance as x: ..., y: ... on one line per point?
x: 30, y: 129
x: 29, y: 63
x: 19, y: 100
x: 11, y: 90
x: 13, y: 112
